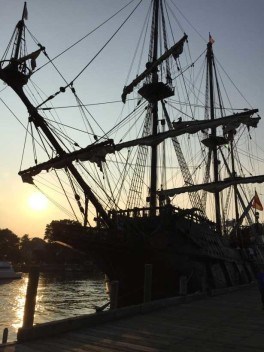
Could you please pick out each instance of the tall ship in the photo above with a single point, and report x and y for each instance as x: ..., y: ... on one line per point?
x: 165, y: 184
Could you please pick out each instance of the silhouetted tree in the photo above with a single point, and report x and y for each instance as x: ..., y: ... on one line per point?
x: 71, y: 234
x: 9, y: 246
x: 25, y: 249
x: 61, y: 230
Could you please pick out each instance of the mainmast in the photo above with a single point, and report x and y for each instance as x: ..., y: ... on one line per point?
x: 213, y: 137
x: 154, y: 90
x: 154, y: 108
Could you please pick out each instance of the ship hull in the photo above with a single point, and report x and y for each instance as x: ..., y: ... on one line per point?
x: 180, y: 248
x: 128, y: 268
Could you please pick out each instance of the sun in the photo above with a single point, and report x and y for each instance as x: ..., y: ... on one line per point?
x: 37, y: 201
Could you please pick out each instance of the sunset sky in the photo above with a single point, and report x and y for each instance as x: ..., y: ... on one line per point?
x: 236, y: 25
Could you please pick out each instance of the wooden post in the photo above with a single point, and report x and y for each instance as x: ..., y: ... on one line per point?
x: 114, y: 294
x: 32, y: 287
x: 5, y: 335
x: 148, y: 283
x: 183, y: 286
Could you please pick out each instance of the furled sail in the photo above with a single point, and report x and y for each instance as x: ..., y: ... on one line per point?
x: 213, y: 186
x: 97, y: 152
x: 32, y: 56
x: 175, y: 51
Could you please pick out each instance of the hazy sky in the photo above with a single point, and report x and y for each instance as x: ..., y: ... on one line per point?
x: 236, y: 25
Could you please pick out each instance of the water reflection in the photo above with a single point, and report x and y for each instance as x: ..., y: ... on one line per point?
x: 59, y: 296
x: 12, y: 300
x: 19, y: 302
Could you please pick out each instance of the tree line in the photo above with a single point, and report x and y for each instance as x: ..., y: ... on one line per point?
x: 26, y: 250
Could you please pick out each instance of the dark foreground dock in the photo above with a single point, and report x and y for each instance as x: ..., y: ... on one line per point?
x: 233, y: 321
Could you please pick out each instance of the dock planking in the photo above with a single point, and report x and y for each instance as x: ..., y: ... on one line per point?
x: 227, y: 322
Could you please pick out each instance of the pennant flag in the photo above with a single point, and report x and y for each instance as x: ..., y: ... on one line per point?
x: 211, y: 39
x: 256, y: 203
x: 25, y: 12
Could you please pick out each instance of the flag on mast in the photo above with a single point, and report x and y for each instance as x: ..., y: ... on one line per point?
x: 25, y: 12
x: 256, y: 203
x: 211, y: 39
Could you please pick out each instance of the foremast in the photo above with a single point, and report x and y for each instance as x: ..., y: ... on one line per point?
x: 16, y: 76
x: 20, y: 30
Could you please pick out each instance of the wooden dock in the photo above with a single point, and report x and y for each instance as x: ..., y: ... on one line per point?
x: 232, y: 321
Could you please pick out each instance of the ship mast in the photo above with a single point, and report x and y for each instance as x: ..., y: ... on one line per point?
x: 213, y: 137
x: 16, y: 78
x: 154, y: 108
x: 154, y: 89
x: 234, y: 175
x: 20, y: 29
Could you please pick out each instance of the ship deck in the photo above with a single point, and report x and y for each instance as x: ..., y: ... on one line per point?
x: 230, y: 321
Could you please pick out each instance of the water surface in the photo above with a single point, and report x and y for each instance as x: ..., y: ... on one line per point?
x: 60, y: 295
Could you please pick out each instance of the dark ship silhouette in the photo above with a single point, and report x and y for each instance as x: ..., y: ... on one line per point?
x: 148, y: 228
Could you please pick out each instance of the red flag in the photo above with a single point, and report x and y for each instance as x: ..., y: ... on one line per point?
x: 256, y: 203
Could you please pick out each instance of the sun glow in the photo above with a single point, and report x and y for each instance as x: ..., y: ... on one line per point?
x: 38, y: 201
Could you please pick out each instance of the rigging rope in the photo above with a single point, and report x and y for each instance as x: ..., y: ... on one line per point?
x: 62, y: 89
x: 58, y: 205
x: 24, y: 146
x: 108, y: 41
x: 98, y: 185
x: 145, y: 25
x: 71, y: 127
x: 78, y: 41
x: 82, y: 108
x: 26, y: 128
x: 186, y: 19
x: 234, y: 84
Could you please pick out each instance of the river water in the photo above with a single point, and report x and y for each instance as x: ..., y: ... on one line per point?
x: 60, y: 295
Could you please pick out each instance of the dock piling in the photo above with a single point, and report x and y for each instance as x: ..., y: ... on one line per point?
x: 30, y: 303
x: 5, y: 335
